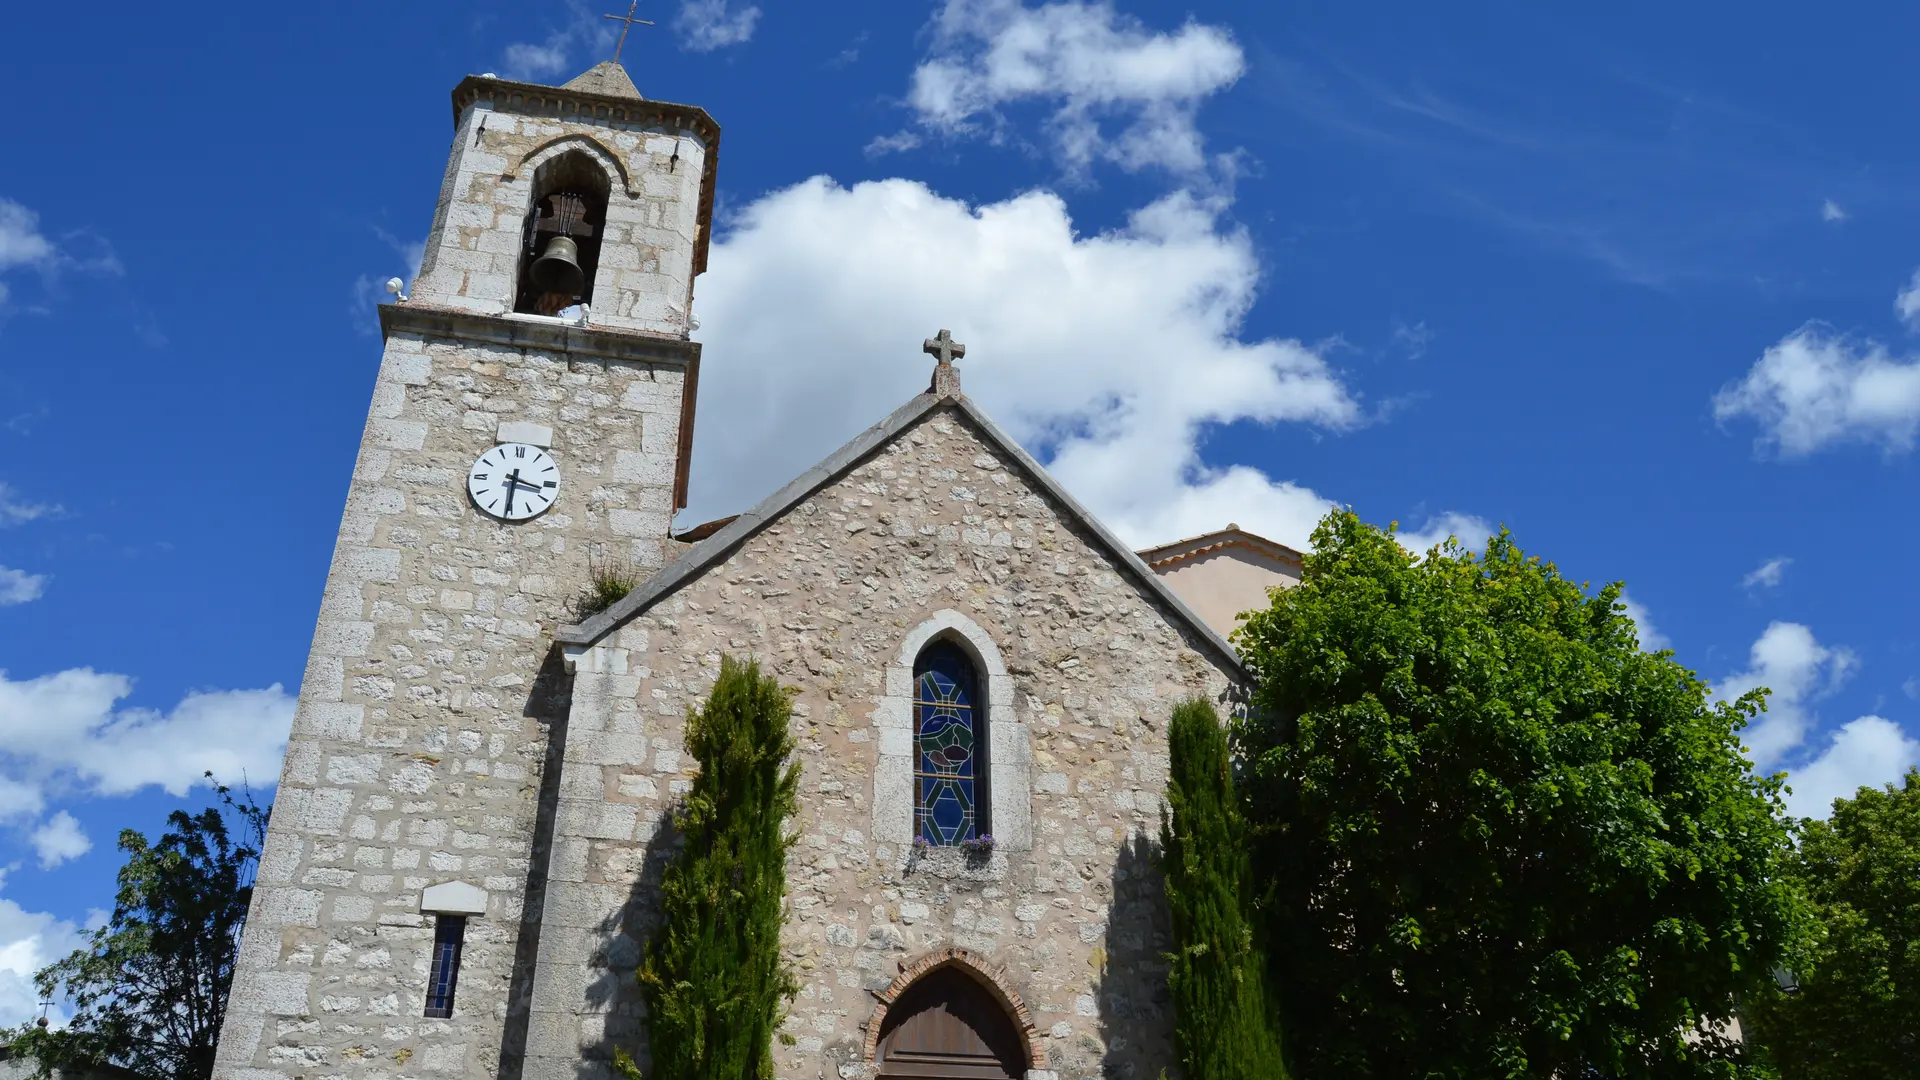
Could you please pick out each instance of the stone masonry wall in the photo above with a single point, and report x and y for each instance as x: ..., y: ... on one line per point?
x: 933, y: 522
x: 418, y: 742
x: 645, y: 276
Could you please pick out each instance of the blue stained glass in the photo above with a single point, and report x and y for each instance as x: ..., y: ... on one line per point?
x: 449, y: 933
x: 945, y: 756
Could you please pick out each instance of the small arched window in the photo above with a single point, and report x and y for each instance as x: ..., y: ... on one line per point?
x: 949, y: 748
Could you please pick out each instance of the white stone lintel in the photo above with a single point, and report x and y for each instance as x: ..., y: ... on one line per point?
x: 521, y: 431
x: 453, y: 898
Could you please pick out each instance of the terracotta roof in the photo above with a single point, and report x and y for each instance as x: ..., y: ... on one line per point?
x: 1233, y: 536
x: 723, y: 543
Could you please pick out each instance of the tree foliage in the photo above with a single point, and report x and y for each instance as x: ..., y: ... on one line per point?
x: 1223, y: 1023
x: 715, y: 985
x: 1501, y: 840
x: 149, y: 991
x: 1856, y: 1014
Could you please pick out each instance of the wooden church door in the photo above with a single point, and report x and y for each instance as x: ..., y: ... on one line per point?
x: 948, y: 1026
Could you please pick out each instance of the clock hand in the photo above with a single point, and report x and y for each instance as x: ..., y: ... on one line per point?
x: 513, y: 485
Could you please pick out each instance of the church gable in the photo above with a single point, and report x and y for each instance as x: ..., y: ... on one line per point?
x: 931, y: 572
x: 997, y: 451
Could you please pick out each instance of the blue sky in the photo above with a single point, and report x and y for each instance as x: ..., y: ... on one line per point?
x: 1640, y: 284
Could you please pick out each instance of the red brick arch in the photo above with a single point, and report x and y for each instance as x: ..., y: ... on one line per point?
x: 984, y: 971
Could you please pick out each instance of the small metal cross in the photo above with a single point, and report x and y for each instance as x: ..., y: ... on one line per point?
x: 627, y: 22
x: 942, y: 347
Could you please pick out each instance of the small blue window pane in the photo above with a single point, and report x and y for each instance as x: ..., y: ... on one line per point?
x: 449, y: 933
x: 945, y: 755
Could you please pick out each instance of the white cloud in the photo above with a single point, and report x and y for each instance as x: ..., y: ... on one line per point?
x: 1472, y: 532
x: 1815, y: 388
x: 20, y: 587
x: 1869, y: 751
x: 531, y: 61
x: 29, y: 941
x: 1117, y: 91
x: 59, y: 840
x: 1651, y: 639
x: 1831, y: 211
x: 1907, y: 301
x: 1789, y: 661
x: 706, y: 25
x: 65, y: 731
x: 21, y: 243
x: 898, y: 142
x: 1108, y: 354
x: 16, y: 511
x: 1768, y: 574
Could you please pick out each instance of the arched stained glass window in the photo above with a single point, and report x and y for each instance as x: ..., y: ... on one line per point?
x: 948, y: 771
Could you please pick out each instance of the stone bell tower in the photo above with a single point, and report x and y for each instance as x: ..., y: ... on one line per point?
x: 530, y: 419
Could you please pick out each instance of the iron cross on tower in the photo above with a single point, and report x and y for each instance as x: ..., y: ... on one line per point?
x: 943, y: 348
x: 627, y: 24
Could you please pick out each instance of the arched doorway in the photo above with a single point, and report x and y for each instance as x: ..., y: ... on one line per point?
x: 947, y: 1025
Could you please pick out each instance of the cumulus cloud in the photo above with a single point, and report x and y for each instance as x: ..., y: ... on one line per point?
x: 1108, y: 355
x: 1815, y: 388
x: 1907, y: 301
x: 1831, y: 211
x: 1870, y: 751
x: 60, y: 840
x: 21, y: 242
x: 20, y: 587
x: 706, y: 25
x: 1470, y: 530
x: 1117, y: 91
x: 1791, y: 662
x: 1651, y: 639
x: 1768, y: 575
x: 29, y: 941
x: 67, y: 731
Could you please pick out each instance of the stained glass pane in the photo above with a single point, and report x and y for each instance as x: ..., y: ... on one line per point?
x: 945, y: 756
x: 449, y: 933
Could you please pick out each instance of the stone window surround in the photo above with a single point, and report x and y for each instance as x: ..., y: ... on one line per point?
x: 1009, y: 753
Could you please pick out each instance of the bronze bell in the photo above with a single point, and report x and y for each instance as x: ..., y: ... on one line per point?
x: 557, y: 270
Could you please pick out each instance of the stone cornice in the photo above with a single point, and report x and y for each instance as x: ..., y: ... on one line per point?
x: 532, y: 99
x: 566, y: 339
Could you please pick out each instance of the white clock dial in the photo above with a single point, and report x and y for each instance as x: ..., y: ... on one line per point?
x: 514, y: 481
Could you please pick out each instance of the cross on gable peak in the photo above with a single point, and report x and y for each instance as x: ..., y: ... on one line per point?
x: 942, y: 347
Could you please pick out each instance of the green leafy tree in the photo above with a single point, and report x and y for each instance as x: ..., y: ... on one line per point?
x: 150, y: 989
x: 1856, y: 1012
x: 1223, y: 1027
x: 1502, y: 841
x: 715, y: 985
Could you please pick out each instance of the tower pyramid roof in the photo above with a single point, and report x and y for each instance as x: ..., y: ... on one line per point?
x: 606, y: 77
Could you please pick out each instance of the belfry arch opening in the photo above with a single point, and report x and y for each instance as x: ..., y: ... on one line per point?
x: 948, y: 1024
x: 565, y: 225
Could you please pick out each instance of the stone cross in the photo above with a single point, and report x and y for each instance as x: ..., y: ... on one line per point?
x: 942, y: 347
x: 627, y: 22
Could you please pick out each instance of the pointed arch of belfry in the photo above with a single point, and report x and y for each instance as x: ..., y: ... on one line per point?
x: 562, y: 144
x: 1009, y: 756
x: 988, y: 974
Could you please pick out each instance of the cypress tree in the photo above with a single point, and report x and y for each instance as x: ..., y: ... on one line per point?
x: 714, y: 982
x: 1223, y: 1026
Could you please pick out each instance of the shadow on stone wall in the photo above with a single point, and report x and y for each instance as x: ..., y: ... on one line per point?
x: 547, y: 702
x: 614, y: 989
x: 1135, y: 1010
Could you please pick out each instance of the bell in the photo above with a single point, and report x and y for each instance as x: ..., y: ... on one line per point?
x: 557, y: 270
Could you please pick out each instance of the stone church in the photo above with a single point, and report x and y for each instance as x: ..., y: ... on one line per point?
x: 475, y: 805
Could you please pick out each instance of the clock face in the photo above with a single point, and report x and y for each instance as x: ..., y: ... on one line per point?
x: 514, y: 481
